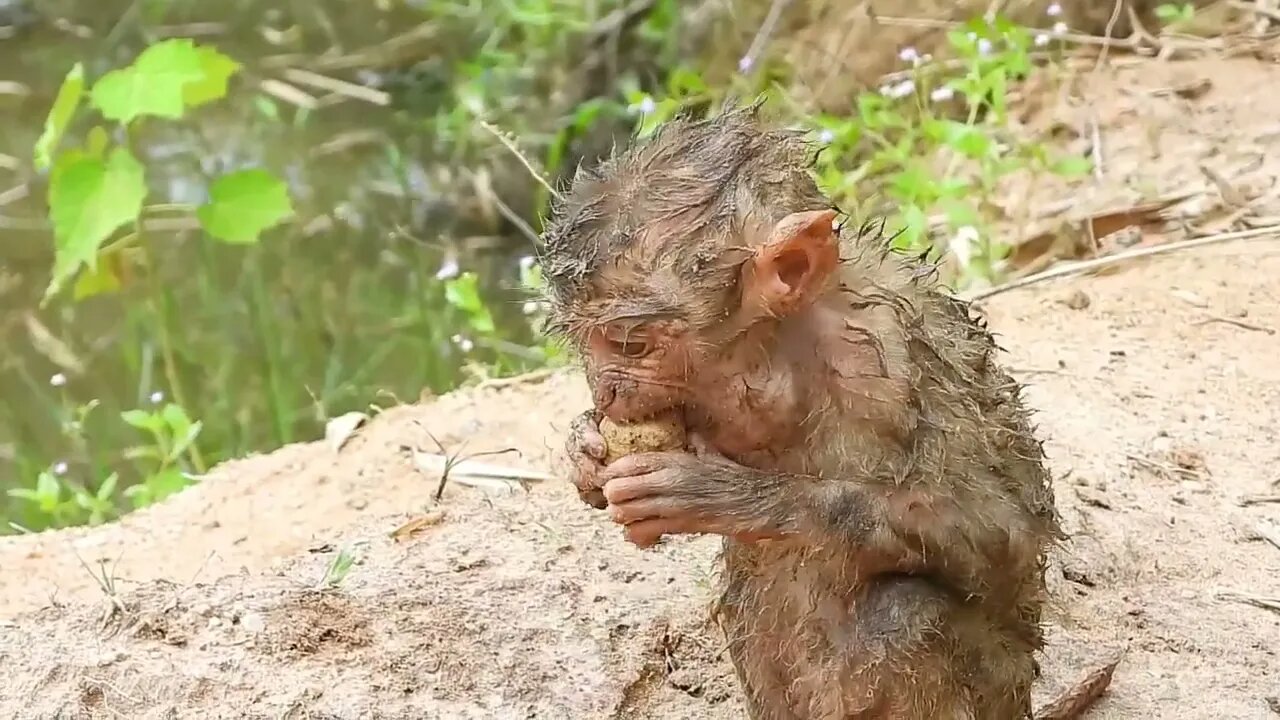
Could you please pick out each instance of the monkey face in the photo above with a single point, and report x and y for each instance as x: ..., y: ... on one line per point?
x: 638, y: 368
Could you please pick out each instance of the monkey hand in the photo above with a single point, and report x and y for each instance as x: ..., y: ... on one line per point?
x: 666, y: 493
x: 586, y: 450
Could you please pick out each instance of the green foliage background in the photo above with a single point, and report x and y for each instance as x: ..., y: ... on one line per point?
x: 213, y: 251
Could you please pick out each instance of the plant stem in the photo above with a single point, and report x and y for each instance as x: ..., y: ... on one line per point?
x: 158, y: 309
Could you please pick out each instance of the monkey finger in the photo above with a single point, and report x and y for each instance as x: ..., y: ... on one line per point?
x: 647, y: 508
x: 586, y: 473
x: 647, y: 533
x: 628, y: 489
x: 585, y: 436
x: 637, y: 464
x: 593, y: 497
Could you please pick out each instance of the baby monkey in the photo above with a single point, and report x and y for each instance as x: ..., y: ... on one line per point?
x: 882, y: 497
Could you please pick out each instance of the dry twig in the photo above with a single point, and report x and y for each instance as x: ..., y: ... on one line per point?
x: 1078, y: 698
x: 1084, y: 266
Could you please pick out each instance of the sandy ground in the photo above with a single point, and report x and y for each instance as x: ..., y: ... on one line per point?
x: 1157, y: 389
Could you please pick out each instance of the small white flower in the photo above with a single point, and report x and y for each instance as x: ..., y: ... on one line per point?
x: 526, y: 263
x: 942, y: 94
x: 157, y: 397
x: 531, y: 307
x: 448, y: 270
x: 646, y: 105
x: 745, y: 63
x: 1059, y: 28
x: 1042, y: 40
x: 1054, y: 10
x: 903, y: 89
x: 826, y: 136
x: 58, y: 380
x: 908, y: 54
x: 466, y: 345
x: 60, y: 468
x: 984, y: 46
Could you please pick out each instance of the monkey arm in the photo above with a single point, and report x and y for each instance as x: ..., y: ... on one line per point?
x: 963, y: 531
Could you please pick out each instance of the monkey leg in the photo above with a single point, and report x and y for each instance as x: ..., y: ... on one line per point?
x: 917, y: 653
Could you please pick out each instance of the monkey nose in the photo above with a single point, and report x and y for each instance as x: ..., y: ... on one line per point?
x: 605, y: 393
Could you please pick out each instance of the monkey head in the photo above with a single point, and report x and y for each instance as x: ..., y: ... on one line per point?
x: 678, y: 269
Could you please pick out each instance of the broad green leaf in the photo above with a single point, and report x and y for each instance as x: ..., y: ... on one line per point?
x: 243, y: 204
x: 64, y: 108
x: 153, y: 85
x: 88, y: 200
x: 218, y: 69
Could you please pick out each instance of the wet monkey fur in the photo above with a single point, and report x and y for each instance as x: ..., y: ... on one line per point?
x: 884, y: 502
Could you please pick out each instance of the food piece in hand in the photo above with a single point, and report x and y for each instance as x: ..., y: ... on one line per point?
x: 661, y: 433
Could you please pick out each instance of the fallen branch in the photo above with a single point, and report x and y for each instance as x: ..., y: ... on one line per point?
x: 1258, y: 601
x: 1248, y: 500
x: 1084, y: 266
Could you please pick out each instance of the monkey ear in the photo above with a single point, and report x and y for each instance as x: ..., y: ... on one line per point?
x: 793, y: 267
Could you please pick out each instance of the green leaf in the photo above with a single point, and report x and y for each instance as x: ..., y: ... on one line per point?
x: 915, y: 227
x: 1072, y: 166
x: 184, y: 440
x: 108, y: 487
x: 142, y: 452
x: 463, y: 293
x: 64, y: 108
x: 165, y: 483
x: 153, y: 85
x: 218, y: 69
x: 88, y: 200
x: 176, y: 417
x: 95, y: 144
x: 243, y: 204
x: 99, y: 280
x: 48, y: 488
x: 143, y: 420
x: 961, y: 213
x: 964, y: 139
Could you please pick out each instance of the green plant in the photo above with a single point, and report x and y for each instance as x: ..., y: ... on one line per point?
x: 172, y: 437
x: 1173, y: 14
x: 901, y: 131
x: 98, y: 190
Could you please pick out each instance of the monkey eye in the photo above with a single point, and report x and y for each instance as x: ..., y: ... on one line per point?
x: 630, y: 345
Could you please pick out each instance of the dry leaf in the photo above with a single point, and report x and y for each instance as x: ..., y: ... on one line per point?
x: 1189, y: 298
x: 1078, y: 238
x: 408, y: 530
x: 338, y: 430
